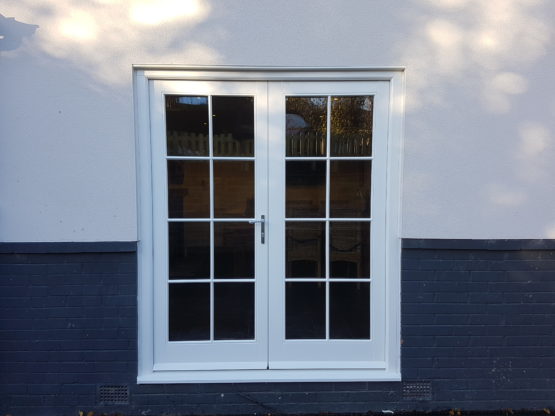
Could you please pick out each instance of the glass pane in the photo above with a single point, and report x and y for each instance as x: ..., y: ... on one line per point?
x: 233, y: 310
x: 187, y: 125
x: 233, y: 250
x: 233, y: 119
x: 233, y: 189
x: 306, y: 189
x: 305, y: 310
x: 350, y: 249
x: 188, y: 189
x: 189, y: 311
x: 306, y: 126
x: 349, y: 310
x: 189, y: 247
x: 350, y: 188
x: 351, y: 126
x: 305, y: 248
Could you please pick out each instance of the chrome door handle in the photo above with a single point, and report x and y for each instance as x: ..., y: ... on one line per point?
x: 262, y: 222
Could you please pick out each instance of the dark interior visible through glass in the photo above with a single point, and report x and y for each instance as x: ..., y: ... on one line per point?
x: 188, y: 188
x: 305, y: 189
x: 233, y: 311
x: 305, y: 249
x: 233, y: 250
x: 189, y: 250
x: 349, y: 249
x: 305, y: 310
x: 350, y: 188
x: 189, y: 311
x: 349, y: 310
x: 233, y: 189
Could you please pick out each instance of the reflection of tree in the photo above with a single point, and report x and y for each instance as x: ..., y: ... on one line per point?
x: 351, y: 126
x: 311, y: 109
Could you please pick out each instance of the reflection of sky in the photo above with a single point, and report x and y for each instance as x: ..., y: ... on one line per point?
x: 193, y: 100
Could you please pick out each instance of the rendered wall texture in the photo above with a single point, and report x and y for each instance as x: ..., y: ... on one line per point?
x: 478, y: 325
x: 480, y: 102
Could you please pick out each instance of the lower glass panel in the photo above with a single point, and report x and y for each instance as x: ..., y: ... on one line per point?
x: 189, y: 250
x: 305, y: 249
x: 349, y: 310
x: 233, y: 311
x: 305, y: 189
x: 233, y: 250
x: 349, y: 249
x: 189, y: 311
x: 305, y: 310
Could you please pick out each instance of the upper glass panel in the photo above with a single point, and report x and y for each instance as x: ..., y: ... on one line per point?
x: 187, y: 125
x: 351, y: 126
x: 305, y: 194
x: 188, y: 189
x: 350, y: 188
x: 306, y: 126
x: 233, y: 126
x: 233, y: 189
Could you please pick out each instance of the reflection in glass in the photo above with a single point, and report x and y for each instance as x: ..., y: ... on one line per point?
x: 189, y: 311
x: 233, y: 250
x: 305, y: 310
x: 233, y: 189
x: 233, y: 125
x: 187, y: 125
x: 305, y: 189
x: 188, y: 189
x: 189, y: 250
x: 350, y: 188
x: 350, y: 249
x: 351, y: 126
x: 305, y: 249
x: 306, y: 126
x: 349, y: 310
x: 233, y: 310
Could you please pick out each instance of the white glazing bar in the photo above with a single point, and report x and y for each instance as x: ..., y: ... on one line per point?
x: 211, y: 154
x: 238, y: 158
x: 309, y: 158
x: 328, y: 190
x: 246, y: 280
x: 210, y: 219
x: 327, y: 219
x: 332, y: 279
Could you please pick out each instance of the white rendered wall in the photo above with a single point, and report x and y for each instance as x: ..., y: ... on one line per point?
x: 480, y: 116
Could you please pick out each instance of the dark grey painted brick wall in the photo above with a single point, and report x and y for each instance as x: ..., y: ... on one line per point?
x: 478, y: 323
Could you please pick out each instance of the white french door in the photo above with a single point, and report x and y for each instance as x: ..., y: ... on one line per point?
x: 269, y: 224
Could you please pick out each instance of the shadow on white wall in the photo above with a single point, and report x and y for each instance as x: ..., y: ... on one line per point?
x: 13, y: 32
x: 103, y: 37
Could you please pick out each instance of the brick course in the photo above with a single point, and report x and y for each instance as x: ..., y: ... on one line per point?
x: 478, y: 323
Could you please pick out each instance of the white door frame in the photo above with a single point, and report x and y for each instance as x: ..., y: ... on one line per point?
x: 286, y: 354
x: 387, y: 368
x: 195, y: 355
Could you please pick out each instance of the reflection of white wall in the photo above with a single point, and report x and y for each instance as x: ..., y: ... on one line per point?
x: 480, y: 121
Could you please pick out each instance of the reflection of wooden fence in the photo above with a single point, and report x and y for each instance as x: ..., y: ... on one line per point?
x: 191, y: 144
x: 306, y: 143
x: 311, y: 143
x: 359, y: 144
x: 299, y: 143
